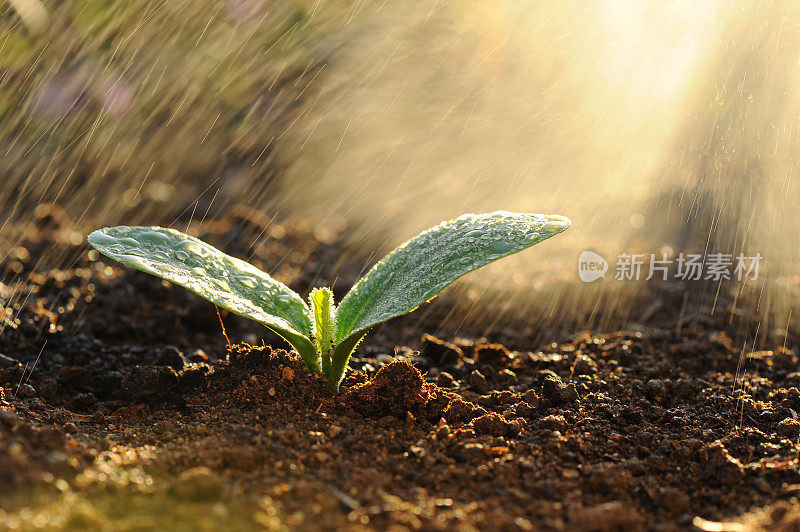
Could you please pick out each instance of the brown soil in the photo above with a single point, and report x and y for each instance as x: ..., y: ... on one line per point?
x: 133, y: 413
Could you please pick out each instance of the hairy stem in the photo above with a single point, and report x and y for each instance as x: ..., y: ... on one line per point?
x: 324, y: 322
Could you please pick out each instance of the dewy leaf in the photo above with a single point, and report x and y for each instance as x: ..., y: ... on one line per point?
x: 226, y: 281
x: 423, y: 266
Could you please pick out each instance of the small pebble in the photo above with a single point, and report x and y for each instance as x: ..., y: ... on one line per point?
x: 557, y: 392
x: 478, y: 382
x: 288, y: 374
x: 198, y: 356
x: 440, y: 352
x: 785, y: 359
x: 656, y: 390
x: 172, y: 357
x: 584, y: 365
x: 530, y: 397
x: 460, y: 410
x: 508, y: 377
x: 443, y: 430
x: 492, y: 423
x: 445, y: 380
x: 788, y: 427
x: 492, y: 354
x: 26, y: 390
x: 83, y: 401
x: 553, y: 422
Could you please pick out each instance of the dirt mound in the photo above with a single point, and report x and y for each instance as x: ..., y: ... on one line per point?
x: 397, y: 389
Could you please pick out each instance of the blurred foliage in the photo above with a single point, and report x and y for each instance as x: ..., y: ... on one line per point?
x: 134, y: 108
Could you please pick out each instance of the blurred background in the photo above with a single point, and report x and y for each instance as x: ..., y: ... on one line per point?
x: 657, y: 127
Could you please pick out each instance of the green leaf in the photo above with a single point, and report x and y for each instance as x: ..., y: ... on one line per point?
x: 423, y: 266
x: 340, y: 358
x: 226, y: 281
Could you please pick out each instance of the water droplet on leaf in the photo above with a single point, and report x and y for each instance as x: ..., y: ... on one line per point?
x: 555, y: 224
x: 249, y: 282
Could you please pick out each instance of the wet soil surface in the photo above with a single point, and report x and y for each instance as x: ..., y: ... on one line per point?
x: 123, y: 407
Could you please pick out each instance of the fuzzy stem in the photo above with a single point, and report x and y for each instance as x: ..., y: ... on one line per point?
x: 324, y: 311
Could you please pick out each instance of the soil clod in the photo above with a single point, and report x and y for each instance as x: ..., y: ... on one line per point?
x: 143, y: 382
x: 557, y: 392
x: 478, y: 382
x: 491, y: 354
x: 445, y: 380
x: 396, y: 389
x: 439, y: 351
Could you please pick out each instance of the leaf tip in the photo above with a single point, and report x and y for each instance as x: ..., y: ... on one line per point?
x: 97, y: 239
x: 556, y: 224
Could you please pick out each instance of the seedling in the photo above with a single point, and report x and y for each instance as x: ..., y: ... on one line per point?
x: 323, y: 333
